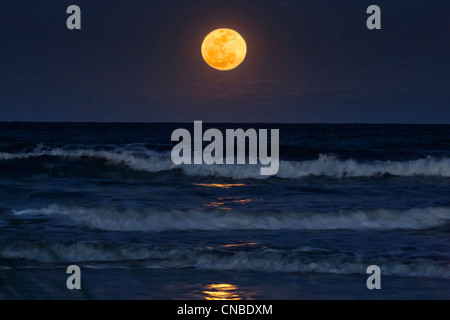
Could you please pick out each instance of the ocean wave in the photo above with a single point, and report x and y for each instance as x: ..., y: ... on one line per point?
x: 136, y: 159
x: 325, y: 165
x: 279, y: 261
x: 329, y: 166
x: 268, y: 260
x: 149, y: 220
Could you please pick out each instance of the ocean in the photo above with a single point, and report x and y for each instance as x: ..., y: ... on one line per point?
x: 107, y: 198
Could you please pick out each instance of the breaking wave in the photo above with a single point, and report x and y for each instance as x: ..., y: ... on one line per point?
x: 114, y: 219
x: 267, y: 260
x: 325, y: 165
x: 140, y: 159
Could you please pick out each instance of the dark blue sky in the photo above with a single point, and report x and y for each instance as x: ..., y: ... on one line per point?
x: 307, y: 61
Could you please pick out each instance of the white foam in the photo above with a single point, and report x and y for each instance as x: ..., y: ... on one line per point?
x: 210, y: 259
x: 81, y: 251
x: 325, y: 165
x: 147, y: 160
x: 279, y: 261
x: 113, y: 219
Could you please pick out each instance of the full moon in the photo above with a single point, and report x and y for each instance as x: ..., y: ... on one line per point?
x: 224, y: 49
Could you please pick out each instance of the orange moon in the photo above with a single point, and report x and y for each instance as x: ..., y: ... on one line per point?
x: 224, y: 49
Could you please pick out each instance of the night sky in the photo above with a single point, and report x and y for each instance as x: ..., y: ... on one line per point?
x: 307, y: 61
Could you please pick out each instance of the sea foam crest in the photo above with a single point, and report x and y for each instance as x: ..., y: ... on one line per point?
x: 140, y: 160
x: 114, y: 219
x: 100, y: 255
x: 325, y: 165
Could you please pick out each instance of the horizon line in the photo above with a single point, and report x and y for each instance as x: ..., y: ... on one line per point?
x: 226, y: 122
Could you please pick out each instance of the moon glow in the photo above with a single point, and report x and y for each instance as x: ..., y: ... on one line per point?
x: 224, y: 49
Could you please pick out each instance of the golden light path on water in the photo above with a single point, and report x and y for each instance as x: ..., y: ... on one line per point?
x: 237, y: 245
x: 221, y: 291
x: 223, y: 203
x: 220, y: 185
